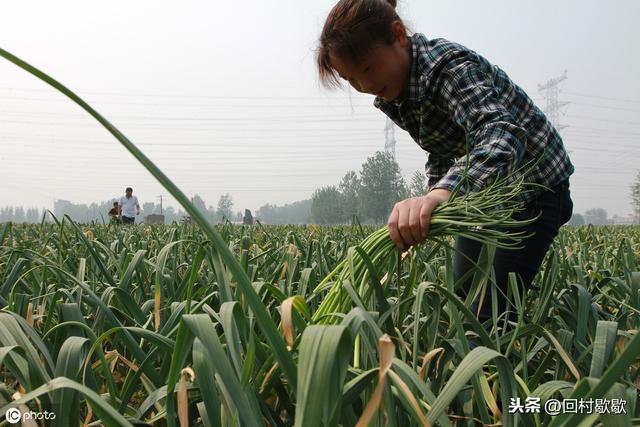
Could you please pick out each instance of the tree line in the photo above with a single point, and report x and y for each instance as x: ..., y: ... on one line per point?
x: 368, y: 195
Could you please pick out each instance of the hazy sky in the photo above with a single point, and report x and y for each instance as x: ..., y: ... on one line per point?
x: 224, y: 96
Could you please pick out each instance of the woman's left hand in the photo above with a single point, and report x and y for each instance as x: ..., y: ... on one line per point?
x: 410, y: 218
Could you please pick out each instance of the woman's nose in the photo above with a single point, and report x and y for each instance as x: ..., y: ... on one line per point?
x: 354, y: 83
x: 362, y: 87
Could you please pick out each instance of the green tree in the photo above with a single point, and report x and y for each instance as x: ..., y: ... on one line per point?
x: 32, y: 215
x: 596, y: 216
x: 350, y: 188
x: 635, y: 197
x: 266, y: 214
x: 326, y: 206
x: 382, y: 186
x: 19, y: 216
x: 418, y: 185
x: 576, y: 219
x: 199, y: 204
x: 225, y: 207
x: 291, y: 213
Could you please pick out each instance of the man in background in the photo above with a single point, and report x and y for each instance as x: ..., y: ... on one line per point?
x: 129, y: 207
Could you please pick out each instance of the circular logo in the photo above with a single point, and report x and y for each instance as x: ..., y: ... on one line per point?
x: 13, y: 415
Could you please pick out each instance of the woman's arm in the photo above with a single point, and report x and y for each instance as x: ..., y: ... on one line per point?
x: 496, y: 142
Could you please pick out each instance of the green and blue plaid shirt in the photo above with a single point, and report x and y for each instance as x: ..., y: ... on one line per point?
x: 460, y: 108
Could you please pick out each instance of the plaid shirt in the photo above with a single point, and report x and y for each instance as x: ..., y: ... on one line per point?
x: 460, y: 108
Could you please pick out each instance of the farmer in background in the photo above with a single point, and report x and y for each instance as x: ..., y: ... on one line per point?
x: 129, y: 207
x: 474, y: 122
x: 114, y: 214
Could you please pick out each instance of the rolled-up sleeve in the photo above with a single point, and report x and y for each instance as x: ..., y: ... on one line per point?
x: 496, y: 144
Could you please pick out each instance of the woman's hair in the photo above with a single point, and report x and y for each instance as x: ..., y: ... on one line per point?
x: 351, y: 28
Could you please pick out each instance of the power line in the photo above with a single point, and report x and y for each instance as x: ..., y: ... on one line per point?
x: 147, y: 95
x: 146, y: 182
x: 191, y: 174
x: 212, y: 148
x: 605, y: 107
x: 275, y: 157
x: 164, y: 128
x: 617, y: 132
x: 174, y: 152
x: 165, y: 104
x: 599, y: 133
x: 193, y: 159
x: 601, y: 119
x: 318, y: 140
x: 195, y: 169
x: 277, y: 119
x: 578, y: 143
x: 602, y: 97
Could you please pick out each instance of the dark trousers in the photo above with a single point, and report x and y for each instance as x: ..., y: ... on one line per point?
x: 555, y: 208
x: 128, y: 219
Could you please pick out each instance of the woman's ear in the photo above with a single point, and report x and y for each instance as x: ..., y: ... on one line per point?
x: 399, y: 33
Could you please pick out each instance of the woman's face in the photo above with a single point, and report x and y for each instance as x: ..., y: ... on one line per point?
x: 382, y: 72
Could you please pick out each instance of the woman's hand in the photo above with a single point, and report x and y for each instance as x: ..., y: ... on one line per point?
x: 410, y: 218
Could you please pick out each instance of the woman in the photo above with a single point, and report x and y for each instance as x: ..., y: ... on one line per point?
x: 475, y: 123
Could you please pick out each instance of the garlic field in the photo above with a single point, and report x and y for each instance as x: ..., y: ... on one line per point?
x: 158, y: 325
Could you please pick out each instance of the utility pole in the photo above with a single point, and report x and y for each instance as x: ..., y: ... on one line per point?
x: 550, y: 94
x: 160, y: 197
x: 390, y: 138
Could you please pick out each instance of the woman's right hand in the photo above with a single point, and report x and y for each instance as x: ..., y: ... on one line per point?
x: 409, y: 221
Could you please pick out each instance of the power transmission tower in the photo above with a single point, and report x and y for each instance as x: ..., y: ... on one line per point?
x: 160, y: 197
x: 390, y: 137
x: 550, y: 94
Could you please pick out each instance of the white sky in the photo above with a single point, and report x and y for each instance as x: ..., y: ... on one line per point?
x: 224, y: 96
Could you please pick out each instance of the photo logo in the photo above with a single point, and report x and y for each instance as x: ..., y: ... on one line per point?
x: 13, y: 415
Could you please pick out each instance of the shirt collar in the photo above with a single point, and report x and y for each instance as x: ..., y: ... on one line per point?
x: 414, y: 90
